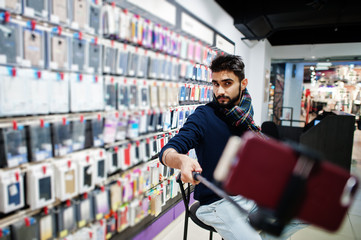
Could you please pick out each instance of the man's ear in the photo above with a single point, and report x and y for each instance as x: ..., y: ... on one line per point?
x: 244, y: 83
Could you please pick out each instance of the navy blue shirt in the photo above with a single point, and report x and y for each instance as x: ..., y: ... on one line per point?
x: 207, y: 132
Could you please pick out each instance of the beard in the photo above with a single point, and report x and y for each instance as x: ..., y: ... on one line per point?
x: 230, y: 104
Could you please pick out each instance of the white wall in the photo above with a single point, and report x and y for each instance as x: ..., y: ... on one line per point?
x: 260, y: 63
x: 293, y: 90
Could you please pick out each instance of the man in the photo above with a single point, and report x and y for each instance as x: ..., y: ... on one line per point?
x: 207, y: 130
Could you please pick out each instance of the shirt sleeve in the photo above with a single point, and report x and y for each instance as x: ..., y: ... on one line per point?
x: 189, y: 136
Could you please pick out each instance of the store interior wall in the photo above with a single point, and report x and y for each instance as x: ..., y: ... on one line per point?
x: 293, y: 89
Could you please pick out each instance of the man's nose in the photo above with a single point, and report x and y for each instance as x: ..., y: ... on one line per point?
x: 220, y: 91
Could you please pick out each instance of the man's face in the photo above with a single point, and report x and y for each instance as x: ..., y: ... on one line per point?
x: 227, y: 88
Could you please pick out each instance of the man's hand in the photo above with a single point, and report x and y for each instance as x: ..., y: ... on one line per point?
x: 188, y: 166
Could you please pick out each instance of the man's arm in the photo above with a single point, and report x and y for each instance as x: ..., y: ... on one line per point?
x: 187, y: 165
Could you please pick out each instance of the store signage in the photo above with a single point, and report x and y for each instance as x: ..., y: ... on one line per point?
x: 195, y: 28
x: 224, y: 45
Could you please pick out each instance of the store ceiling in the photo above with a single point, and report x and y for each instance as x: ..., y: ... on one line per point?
x: 288, y: 22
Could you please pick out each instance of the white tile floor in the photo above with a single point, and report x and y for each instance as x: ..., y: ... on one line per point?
x: 350, y: 229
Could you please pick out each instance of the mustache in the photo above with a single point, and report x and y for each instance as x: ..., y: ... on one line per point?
x: 222, y: 97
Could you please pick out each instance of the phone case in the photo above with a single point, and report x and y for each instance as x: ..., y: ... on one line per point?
x: 59, y: 52
x: 262, y: 168
x: 33, y: 48
x: 60, y: 9
x: 80, y: 13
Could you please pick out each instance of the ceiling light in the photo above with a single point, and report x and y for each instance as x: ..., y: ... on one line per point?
x: 321, y: 68
x: 324, y: 64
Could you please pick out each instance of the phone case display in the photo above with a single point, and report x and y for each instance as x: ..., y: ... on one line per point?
x: 39, y: 141
x: 173, y: 95
x: 59, y: 12
x: 10, y: 48
x: 110, y: 127
x: 135, y: 212
x: 143, y: 122
x: 121, y: 127
x: 113, y: 161
x: 86, y: 172
x: 99, y: 230
x: 152, y: 120
x: 110, y: 18
x: 13, y: 151
x: 160, y: 66
x: 14, y: 95
x: 147, y: 33
x: 59, y: 92
x: 136, y: 29
x: 111, y: 227
x: 11, y: 190
x: 133, y: 126
x: 11, y: 5
x: 94, y: 57
x: 85, y: 210
x: 95, y: 93
x: 162, y: 95
x: 153, y: 64
x: 143, y: 94
x: 96, y: 137
x: 133, y: 95
x: 94, y: 17
x: 115, y: 190
x: 167, y: 122
x: 78, y: 133
x: 38, y: 82
x: 33, y: 47
x: 5, y: 233
x: 101, y: 203
x: 123, y: 217
x: 40, y: 185
x: 62, y: 137
x: 25, y: 229
x: 123, y: 94
x: 79, y: 14
x: 122, y: 59
x: 46, y: 225
x: 78, y: 49
x: 142, y: 63
x: 153, y: 94
x: 100, y: 164
x: 58, y: 50
x: 182, y: 94
x: 109, y: 56
x: 66, y: 184
x: 79, y: 92
x: 36, y: 8
x: 155, y: 204
x: 175, y: 70
x: 66, y: 220
x: 133, y: 58
x: 110, y: 93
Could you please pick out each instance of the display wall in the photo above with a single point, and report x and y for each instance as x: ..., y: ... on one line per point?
x: 90, y: 93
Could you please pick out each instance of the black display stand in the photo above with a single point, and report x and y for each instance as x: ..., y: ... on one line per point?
x: 332, y: 135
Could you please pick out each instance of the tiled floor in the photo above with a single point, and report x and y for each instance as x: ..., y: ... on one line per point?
x: 350, y: 229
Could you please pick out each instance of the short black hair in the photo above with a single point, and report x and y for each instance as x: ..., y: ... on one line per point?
x: 228, y: 62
